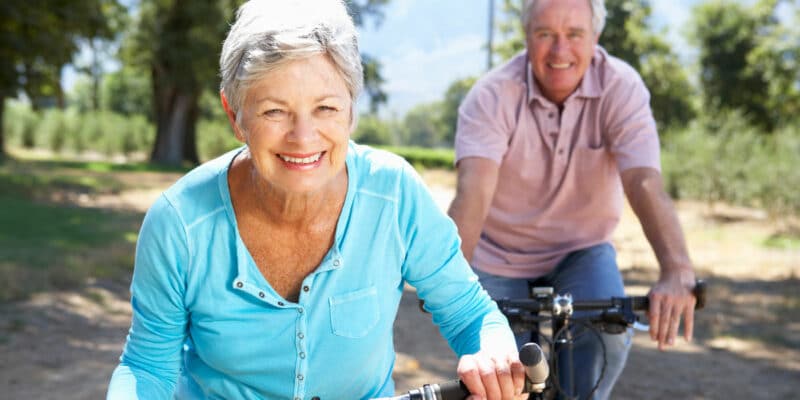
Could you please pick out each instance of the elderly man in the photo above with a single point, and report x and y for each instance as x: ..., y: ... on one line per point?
x: 545, y: 147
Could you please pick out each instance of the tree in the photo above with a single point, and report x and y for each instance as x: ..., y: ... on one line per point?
x: 776, y: 58
x: 423, y: 125
x: 449, y: 107
x: 372, y: 130
x: 39, y: 37
x: 177, y: 44
x: 373, y: 83
x: 127, y: 91
x: 626, y: 35
x: 728, y: 35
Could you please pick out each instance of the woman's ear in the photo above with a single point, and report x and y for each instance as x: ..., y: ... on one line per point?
x: 231, y: 117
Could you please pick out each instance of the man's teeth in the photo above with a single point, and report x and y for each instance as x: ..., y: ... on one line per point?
x: 560, y: 66
x: 305, y: 160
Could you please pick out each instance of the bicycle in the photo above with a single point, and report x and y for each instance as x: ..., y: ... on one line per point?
x: 536, y: 373
x: 617, y: 314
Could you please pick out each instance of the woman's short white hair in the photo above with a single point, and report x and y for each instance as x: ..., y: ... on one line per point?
x: 268, y: 34
x: 598, y: 14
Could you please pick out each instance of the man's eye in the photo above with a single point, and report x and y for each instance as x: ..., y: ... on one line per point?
x: 327, y: 109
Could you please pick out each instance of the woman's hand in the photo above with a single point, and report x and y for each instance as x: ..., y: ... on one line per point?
x: 493, y: 374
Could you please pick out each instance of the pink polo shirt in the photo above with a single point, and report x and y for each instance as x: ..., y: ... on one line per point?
x: 559, y: 188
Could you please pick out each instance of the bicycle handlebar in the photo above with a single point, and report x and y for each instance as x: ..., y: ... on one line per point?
x: 536, y: 372
x: 637, y: 303
x: 452, y: 390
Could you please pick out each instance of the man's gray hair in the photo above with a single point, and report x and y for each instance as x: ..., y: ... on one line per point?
x: 598, y: 14
x: 269, y: 34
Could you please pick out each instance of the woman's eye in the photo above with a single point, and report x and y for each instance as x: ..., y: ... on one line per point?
x: 273, y: 113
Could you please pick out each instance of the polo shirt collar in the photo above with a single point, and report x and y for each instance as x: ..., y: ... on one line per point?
x: 588, y: 88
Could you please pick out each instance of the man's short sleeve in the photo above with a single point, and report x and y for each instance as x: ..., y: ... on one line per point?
x: 629, y: 124
x: 486, y: 121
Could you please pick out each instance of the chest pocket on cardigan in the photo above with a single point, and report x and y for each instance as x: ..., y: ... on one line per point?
x: 354, y: 314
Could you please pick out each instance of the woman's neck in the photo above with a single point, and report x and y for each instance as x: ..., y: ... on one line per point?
x: 307, y: 208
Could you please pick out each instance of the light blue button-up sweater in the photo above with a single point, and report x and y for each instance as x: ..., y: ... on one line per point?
x: 206, y: 324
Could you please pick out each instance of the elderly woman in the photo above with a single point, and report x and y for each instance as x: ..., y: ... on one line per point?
x: 275, y: 271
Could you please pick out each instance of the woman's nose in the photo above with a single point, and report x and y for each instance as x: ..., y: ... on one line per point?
x: 302, y: 128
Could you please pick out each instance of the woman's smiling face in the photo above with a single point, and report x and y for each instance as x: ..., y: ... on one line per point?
x: 296, y: 121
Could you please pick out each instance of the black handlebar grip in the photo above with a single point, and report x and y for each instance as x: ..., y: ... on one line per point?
x: 452, y: 390
x: 699, y: 292
x: 640, y: 303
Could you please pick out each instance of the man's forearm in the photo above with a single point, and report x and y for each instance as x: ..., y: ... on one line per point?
x: 653, y: 207
x: 477, y: 181
x: 469, y: 228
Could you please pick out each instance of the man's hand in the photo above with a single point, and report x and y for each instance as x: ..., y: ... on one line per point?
x: 671, y: 299
x: 493, y: 375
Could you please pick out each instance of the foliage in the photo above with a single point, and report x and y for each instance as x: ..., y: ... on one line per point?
x: 39, y: 37
x: 776, y: 57
x: 214, y: 138
x: 70, y: 131
x: 127, y: 92
x: 422, y: 126
x: 452, y: 100
x: 434, y: 124
x: 373, y: 130
x: 422, y: 157
x: 726, y: 159
x: 373, y: 83
x: 512, y: 34
x: 748, y: 60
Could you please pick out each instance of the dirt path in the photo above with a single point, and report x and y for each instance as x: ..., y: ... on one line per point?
x: 65, y: 344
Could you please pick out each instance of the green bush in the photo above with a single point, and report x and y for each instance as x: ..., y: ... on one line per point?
x: 214, y: 137
x: 422, y: 157
x: 726, y: 159
x: 373, y: 131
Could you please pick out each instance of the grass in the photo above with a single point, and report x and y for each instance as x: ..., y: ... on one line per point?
x: 783, y: 241
x: 48, y: 241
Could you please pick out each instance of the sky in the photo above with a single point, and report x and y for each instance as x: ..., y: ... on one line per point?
x: 424, y: 45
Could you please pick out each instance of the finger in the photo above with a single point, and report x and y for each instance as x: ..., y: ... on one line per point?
x: 688, y: 321
x: 654, y: 315
x: 518, y: 375
x: 674, y: 324
x: 488, y: 371
x: 504, y: 378
x: 469, y: 373
x: 664, y: 323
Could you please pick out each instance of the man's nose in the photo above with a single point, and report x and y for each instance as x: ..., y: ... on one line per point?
x: 560, y: 45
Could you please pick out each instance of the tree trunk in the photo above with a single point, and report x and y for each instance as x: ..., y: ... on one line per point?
x: 176, y: 111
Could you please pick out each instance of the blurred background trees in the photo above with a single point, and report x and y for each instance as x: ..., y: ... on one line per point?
x: 729, y: 114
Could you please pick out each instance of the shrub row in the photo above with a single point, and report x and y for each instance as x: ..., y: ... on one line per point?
x: 713, y: 159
